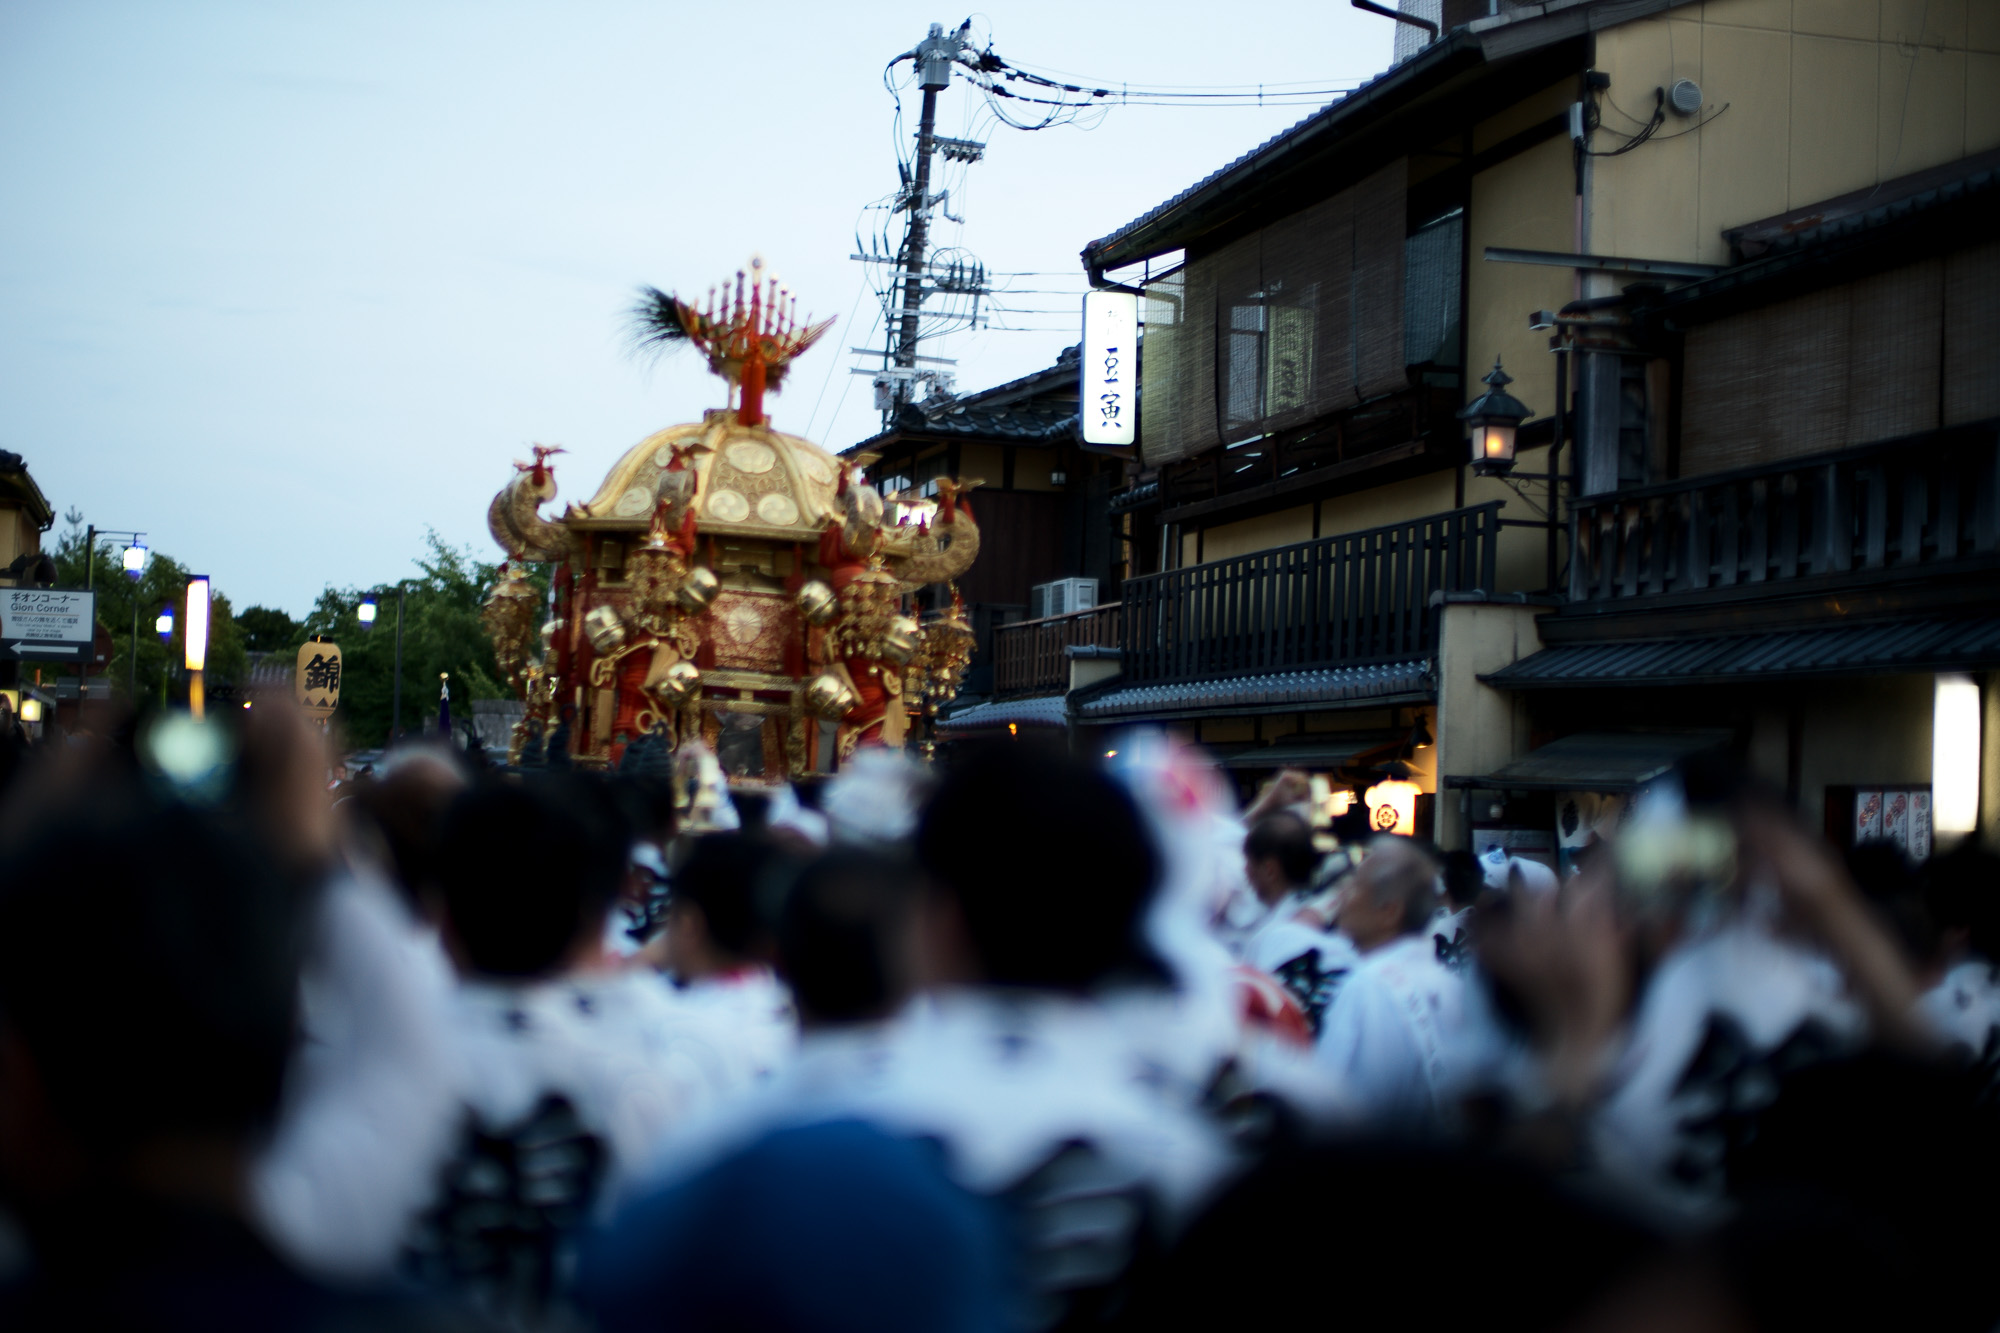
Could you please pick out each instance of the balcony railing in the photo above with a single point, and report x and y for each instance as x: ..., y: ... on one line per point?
x: 1892, y: 507
x: 1359, y: 597
x: 1028, y: 655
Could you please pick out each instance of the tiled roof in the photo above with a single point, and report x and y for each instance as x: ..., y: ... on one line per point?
x: 1037, y: 407
x: 1869, y: 648
x: 1864, y: 210
x: 1521, y: 26
x: 1029, y: 419
x: 1305, y: 688
x: 1042, y: 711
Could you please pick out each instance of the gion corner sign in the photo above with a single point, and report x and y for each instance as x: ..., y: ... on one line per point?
x: 47, y: 622
x: 317, y: 684
x: 1108, y: 393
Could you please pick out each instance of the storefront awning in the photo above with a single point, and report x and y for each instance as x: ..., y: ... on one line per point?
x: 1597, y: 761
x: 1044, y: 711
x: 1333, y: 750
x: 1877, y: 647
x: 1330, y: 687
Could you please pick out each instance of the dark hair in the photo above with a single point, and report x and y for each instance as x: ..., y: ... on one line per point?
x: 1049, y: 863
x: 1464, y: 880
x: 526, y: 868
x: 1288, y: 838
x: 407, y: 808
x: 149, y: 957
x: 842, y: 936
x: 738, y: 881
x: 1962, y: 891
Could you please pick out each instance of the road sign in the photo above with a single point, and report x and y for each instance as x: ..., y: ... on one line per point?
x: 47, y: 622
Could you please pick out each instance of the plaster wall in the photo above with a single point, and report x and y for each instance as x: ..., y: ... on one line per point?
x: 1526, y: 202
x: 1478, y: 728
x: 1822, y: 97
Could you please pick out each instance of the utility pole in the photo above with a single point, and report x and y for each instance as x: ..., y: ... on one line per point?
x: 933, y: 58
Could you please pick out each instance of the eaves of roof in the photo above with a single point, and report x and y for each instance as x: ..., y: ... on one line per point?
x: 1164, y: 226
x: 1006, y: 411
x: 1049, y: 710
x: 1326, y: 688
x: 1451, y: 64
x: 18, y: 485
x: 1945, y: 217
x: 1883, y: 647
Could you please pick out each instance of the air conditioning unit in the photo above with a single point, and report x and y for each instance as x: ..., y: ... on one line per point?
x: 1061, y: 597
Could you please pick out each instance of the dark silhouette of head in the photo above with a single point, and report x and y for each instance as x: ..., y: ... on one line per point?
x: 1049, y: 866
x: 526, y: 871
x: 846, y: 937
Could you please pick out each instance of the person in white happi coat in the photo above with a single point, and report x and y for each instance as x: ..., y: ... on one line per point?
x: 1040, y: 873
x: 554, y: 1105
x: 1388, y: 1037
x: 718, y: 946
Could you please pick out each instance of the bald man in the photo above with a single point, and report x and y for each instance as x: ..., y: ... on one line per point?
x: 1388, y: 1033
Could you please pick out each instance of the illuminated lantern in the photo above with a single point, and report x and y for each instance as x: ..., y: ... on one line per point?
x: 1392, y: 806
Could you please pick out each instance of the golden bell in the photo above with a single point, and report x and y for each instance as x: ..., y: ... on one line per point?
x: 900, y: 639
x: 829, y: 697
x: 698, y: 589
x: 678, y: 684
x: 550, y: 628
x: 605, y: 629
x: 818, y: 603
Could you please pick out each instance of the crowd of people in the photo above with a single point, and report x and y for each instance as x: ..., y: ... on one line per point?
x: 1018, y: 1041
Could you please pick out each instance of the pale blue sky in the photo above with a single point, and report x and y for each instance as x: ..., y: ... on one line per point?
x: 285, y: 283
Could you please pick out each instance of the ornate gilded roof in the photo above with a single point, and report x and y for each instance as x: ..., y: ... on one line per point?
x: 751, y: 481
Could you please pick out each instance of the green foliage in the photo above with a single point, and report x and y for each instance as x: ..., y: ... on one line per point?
x: 268, y: 630
x: 441, y: 632
x: 163, y: 584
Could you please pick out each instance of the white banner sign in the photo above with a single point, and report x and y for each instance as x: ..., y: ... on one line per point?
x: 1109, y: 390
x: 47, y: 615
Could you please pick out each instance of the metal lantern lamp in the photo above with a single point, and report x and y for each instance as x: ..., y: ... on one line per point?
x: 366, y: 612
x: 1492, y: 421
x: 135, y: 560
x: 163, y: 625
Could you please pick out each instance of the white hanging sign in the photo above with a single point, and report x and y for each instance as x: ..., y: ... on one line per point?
x: 1109, y: 388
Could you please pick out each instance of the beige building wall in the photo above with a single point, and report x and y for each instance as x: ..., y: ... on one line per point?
x: 1527, y: 202
x: 1856, y: 733
x: 1803, y: 100
x: 1478, y: 728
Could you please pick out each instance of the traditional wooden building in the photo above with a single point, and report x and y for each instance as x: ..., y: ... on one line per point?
x: 1593, y: 194
x: 1044, y: 508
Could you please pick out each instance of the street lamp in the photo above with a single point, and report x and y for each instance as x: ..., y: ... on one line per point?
x: 366, y: 613
x: 1492, y: 420
x: 163, y: 624
x: 134, y: 563
x: 196, y: 640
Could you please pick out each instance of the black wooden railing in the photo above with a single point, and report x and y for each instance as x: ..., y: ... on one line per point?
x: 1358, y: 597
x: 1831, y: 517
x: 1028, y: 655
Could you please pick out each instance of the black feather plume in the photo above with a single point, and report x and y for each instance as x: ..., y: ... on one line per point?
x: 656, y: 321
